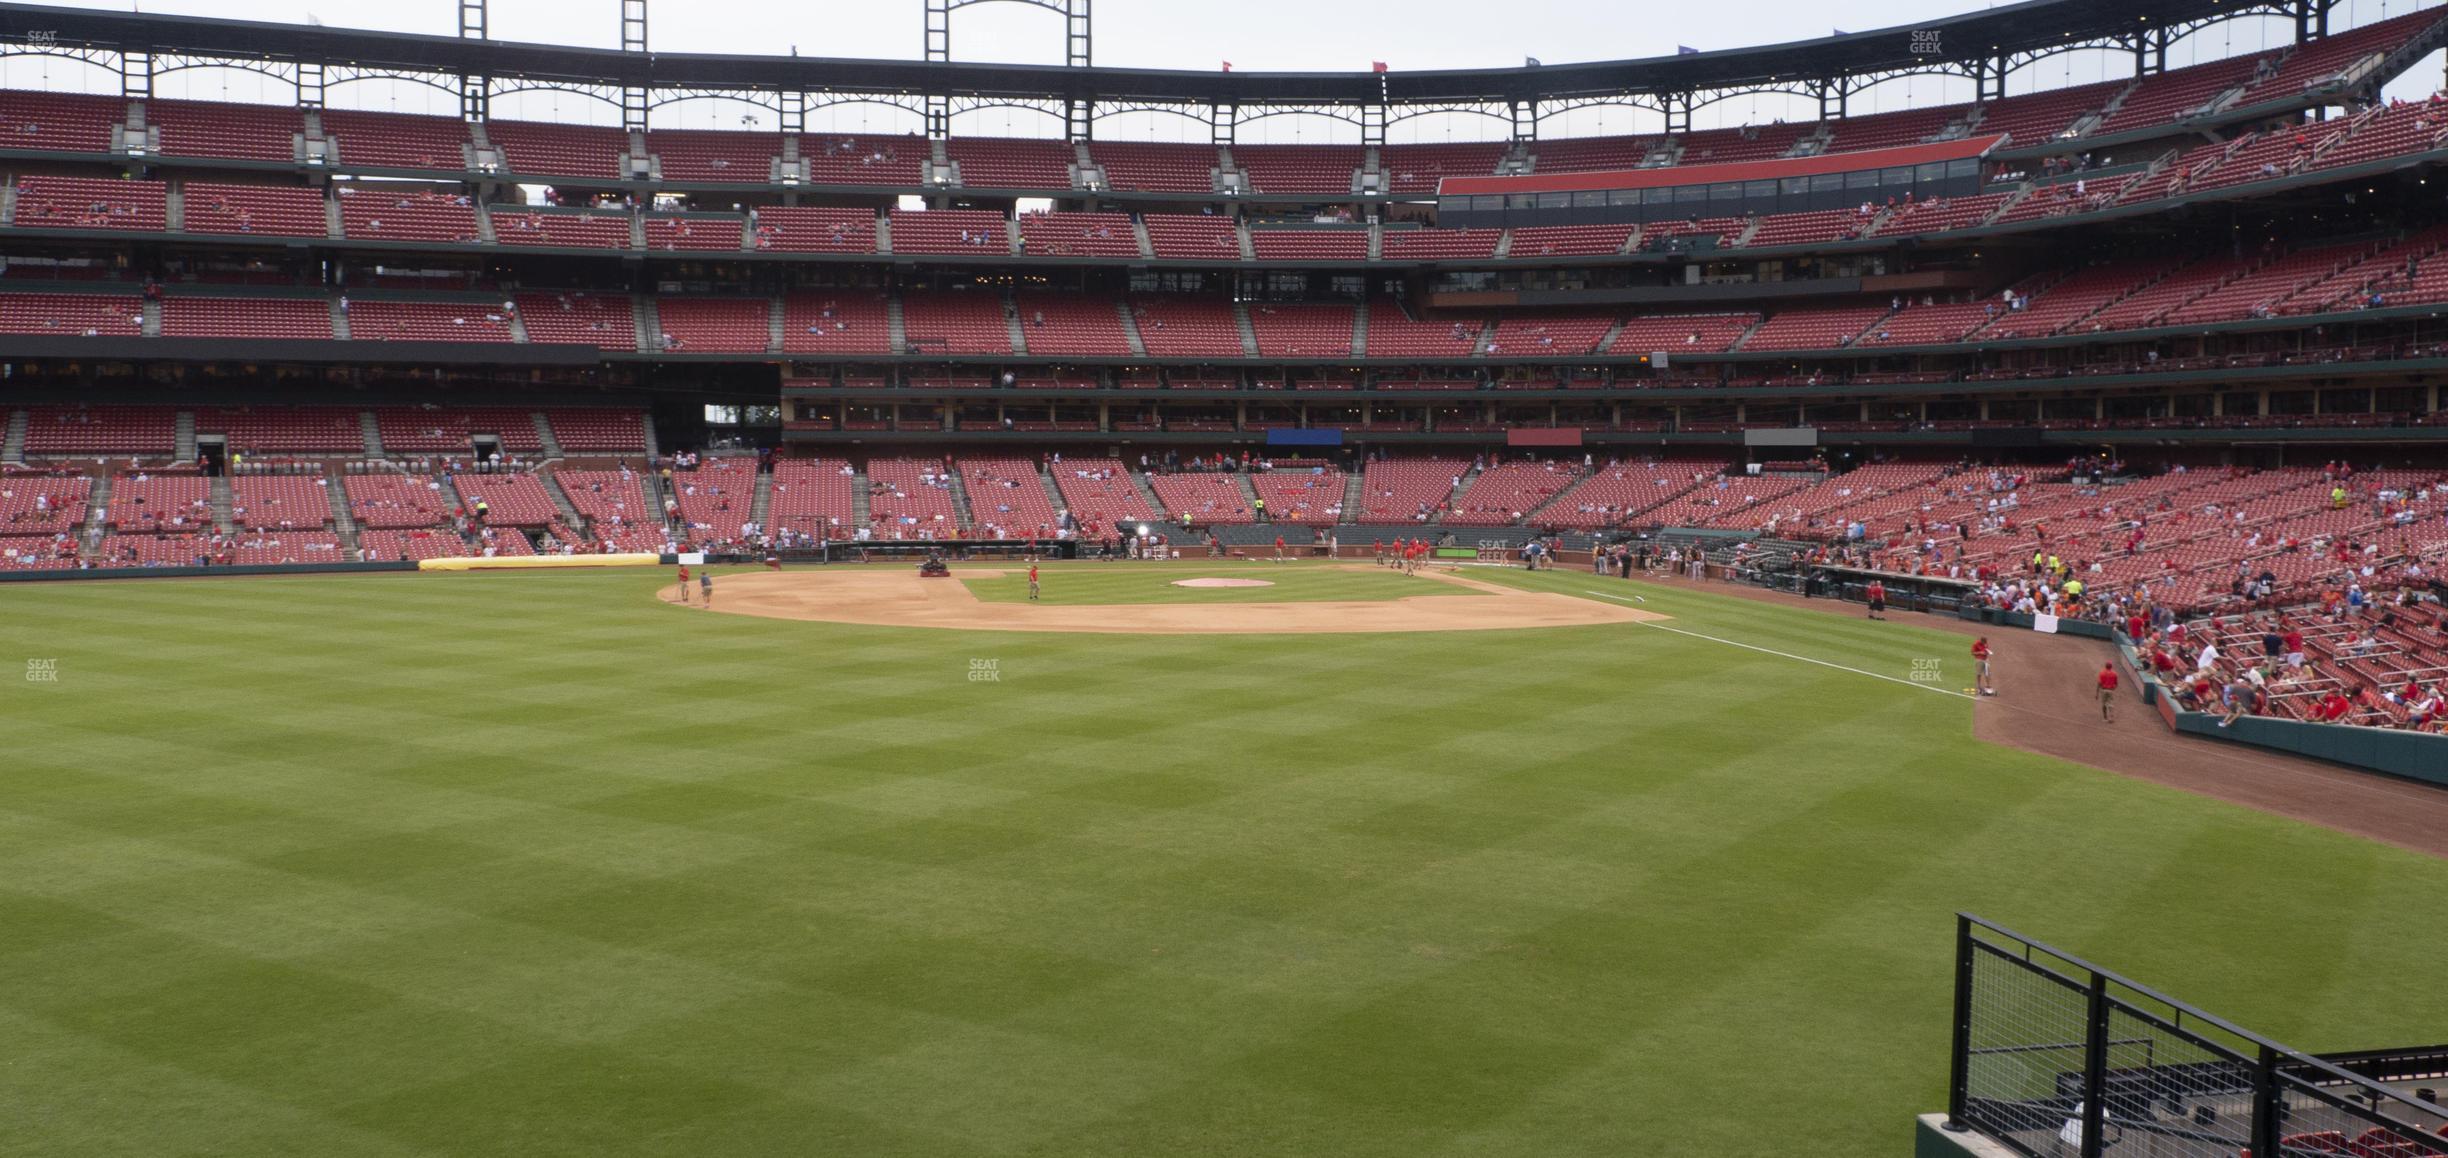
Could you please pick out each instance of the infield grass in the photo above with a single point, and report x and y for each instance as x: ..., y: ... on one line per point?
x: 1091, y: 584
x: 531, y: 864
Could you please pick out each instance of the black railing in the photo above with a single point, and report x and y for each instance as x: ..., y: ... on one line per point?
x: 2054, y: 1056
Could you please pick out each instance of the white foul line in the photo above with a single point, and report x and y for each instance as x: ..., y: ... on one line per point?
x: 1785, y: 654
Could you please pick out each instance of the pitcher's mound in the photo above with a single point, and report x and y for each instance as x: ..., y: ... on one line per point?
x: 1223, y: 583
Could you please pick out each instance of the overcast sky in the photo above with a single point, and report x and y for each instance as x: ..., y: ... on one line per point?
x: 1254, y: 34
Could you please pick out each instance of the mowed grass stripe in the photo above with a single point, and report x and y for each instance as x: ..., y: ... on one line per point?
x: 531, y: 864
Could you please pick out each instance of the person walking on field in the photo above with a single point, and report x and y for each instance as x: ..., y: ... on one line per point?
x: 684, y: 578
x: 1032, y: 583
x: 1876, y: 593
x: 1279, y: 548
x: 2107, y: 693
x: 1980, y: 667
x: 705, y: 586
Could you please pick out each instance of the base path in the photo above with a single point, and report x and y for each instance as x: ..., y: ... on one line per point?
x: 897, y: 598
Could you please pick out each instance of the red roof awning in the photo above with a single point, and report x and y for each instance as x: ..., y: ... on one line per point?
x: 1733, y: 171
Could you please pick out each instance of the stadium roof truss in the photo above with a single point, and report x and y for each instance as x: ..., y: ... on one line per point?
x: 1986, y: 47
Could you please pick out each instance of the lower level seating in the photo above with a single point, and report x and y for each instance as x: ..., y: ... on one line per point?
x: 279, y: 501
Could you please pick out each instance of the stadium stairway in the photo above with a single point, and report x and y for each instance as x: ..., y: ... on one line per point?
x: 1249, y: 333
x: 12, y: 448
x: 862, y: 513
x: 97, y: 513
x: 1606, y: 341
x: 892, y: 314
x: 1147, y: 491
x: 372, y: 433
x: 1360, y: 324
x: 561, y: 503
x: 183, y: 440
x: 649, y: 323
x: 1053, y: 493
x: 518, y: 328
x: 222, y: 501
x: 650, y: 483
x: 451, y: 501
x: 654, y: 446
x: 152, y: 314
x: 174, y: 208
x: 1355, y: 493
x: 1504, y: 244
x: 883, y: 243
x: 960, y: 502
x: 1739, y: 339
x: 1138, y: 229
x: 544, y: 434
x: 1017, y: 333
x: 773, y: 323
x: 1460, y: 489
x: 333, y: 230
x: 1130, y: 328
x: 8, y: 204
x: 762, y: 504
x: 336, y: 489
x: 1530, y: 517
x: 1249, y: 491
x: 339, y: 320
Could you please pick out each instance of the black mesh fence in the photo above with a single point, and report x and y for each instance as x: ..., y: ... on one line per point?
x: 2054, y: 1056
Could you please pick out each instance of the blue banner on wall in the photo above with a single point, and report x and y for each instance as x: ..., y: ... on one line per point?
x: 1294, y: 436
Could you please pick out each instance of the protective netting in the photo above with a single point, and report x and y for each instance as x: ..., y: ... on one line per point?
x: 2026, y: 1038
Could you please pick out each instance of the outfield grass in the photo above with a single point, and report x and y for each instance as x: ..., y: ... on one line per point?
x: 1097, y: 584
x: 529, y: 864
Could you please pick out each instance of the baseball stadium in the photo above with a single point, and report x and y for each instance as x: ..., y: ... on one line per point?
x: 1859, y: 595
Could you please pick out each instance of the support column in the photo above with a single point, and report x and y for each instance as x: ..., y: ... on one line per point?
x: 1524, y: 115
x: 1678, y: 109
x: 633, y: 40
x: 136, y: 75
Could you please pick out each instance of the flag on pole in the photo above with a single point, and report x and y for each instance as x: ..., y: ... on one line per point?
x: 1377, y: 66
x: 1228, y: 66
x: 1686, y: 50
x: 1530, y: 62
